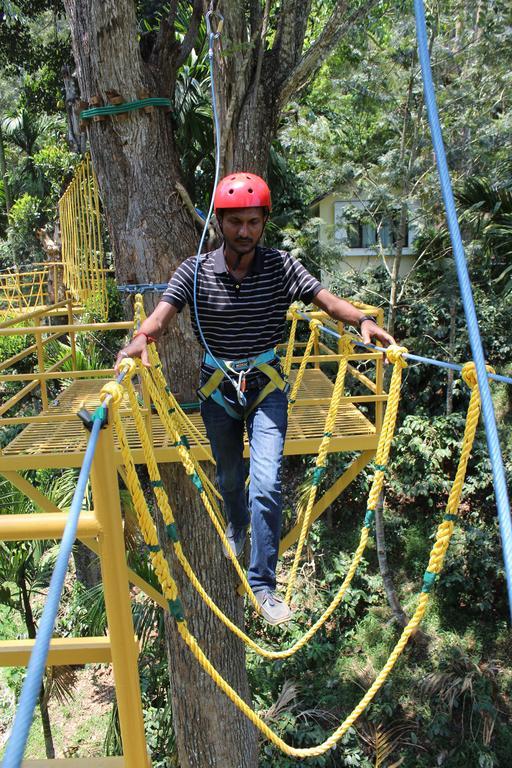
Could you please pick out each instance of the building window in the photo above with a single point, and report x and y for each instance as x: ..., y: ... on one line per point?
x: 352, y: 229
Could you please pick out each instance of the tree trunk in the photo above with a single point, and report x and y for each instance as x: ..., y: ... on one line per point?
x: 387, y: 580
x: 30, y: 624
x: 152, y: 232
x: 3, y: 175
x: 87, y: 565
x: 76, y: 138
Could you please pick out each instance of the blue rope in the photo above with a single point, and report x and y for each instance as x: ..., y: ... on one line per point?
x: 35, y: 671
x: 408, y: 355
x: 36, y: 666
x: 500, y: 486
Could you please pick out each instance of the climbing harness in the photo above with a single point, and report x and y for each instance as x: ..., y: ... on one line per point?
x: 241, y: 368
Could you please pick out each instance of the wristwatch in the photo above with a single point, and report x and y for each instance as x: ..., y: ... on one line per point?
x: 367, y: 317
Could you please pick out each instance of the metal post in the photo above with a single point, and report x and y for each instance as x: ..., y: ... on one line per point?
x: 379, y: 380
x: 114, y: 571
x: 40, y: 364
x: 72, y: 337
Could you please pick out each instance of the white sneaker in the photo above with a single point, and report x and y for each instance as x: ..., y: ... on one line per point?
x: 272, y: 607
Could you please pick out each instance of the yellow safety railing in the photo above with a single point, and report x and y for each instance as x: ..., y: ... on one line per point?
x: 83, y: 254
x: 23, y: 289
x: 316, y: 353
x: 38, y: 333
x: 169, y: 585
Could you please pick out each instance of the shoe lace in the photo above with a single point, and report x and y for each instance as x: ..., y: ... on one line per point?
x: 273, y: 599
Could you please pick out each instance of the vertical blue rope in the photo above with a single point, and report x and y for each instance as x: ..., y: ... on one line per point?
x: 498, y: 471
x: 35, y: 671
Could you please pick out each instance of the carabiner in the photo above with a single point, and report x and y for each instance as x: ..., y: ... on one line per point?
x: 240, y: 388
x: 220, y: 23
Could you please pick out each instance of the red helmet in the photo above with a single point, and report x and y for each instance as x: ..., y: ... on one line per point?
x: 242, y: 190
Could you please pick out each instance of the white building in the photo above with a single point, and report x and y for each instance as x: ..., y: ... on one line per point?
x: 363, y: 240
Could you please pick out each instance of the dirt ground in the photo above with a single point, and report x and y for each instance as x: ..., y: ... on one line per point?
x: 78, y: 724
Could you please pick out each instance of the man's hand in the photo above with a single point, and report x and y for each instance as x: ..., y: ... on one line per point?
x: 370, y: 330
x: 152, y: 327
x: 138, y: 347
x: 339, y: 309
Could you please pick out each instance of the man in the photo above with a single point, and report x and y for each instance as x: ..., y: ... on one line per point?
x: 239, y: 295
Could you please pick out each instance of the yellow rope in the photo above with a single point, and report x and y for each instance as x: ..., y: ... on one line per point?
x: 287, y: 366
x: 435, y: 564
x: 314, y: 326
x: 321, y: 460
x: 158, y: 386
x: 128, y: 366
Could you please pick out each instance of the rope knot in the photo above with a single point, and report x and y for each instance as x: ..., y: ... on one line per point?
x: 469, y: 373
x: 395, y: 354
x: 346, y: 346
x: 113, y: 389
x: 128, y: 366
x: 314, y: 325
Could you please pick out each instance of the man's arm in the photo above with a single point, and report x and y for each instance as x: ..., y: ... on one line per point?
x: 153, y: 326
x: 339, y: 309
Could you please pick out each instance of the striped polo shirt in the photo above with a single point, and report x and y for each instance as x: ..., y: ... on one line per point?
x: 243, y: 318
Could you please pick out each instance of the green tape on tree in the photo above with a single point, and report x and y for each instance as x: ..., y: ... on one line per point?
x: 127, y: 106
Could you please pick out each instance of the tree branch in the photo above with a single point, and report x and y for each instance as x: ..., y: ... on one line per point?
x: 334, y: 30
x: 289, y: 39
x: 261, y: 50
x: 255, y: 15
x: 190, y: 37
x: 239, y: 92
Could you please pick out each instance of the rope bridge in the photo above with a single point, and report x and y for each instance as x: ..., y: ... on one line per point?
x: 177, y: 424
x: 83, y: 255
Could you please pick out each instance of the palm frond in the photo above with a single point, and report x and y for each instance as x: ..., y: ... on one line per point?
x: 60, y: 683
x: 384, y: 740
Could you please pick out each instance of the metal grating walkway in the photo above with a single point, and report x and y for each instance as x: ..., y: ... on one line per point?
x: 62, y: 444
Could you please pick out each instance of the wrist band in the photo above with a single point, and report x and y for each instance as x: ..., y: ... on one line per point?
x: 149, y: 339
x: 367, y: 317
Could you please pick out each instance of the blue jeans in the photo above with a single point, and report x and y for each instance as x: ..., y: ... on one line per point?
x: 262, y: 506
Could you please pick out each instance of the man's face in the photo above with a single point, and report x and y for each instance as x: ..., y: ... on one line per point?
x: 242, y: 228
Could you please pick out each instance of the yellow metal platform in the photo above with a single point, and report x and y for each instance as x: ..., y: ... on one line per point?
x: 62, y: 444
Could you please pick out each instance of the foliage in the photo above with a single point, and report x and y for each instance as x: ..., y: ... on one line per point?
x: 25, y: 217
x: 56, y: 164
